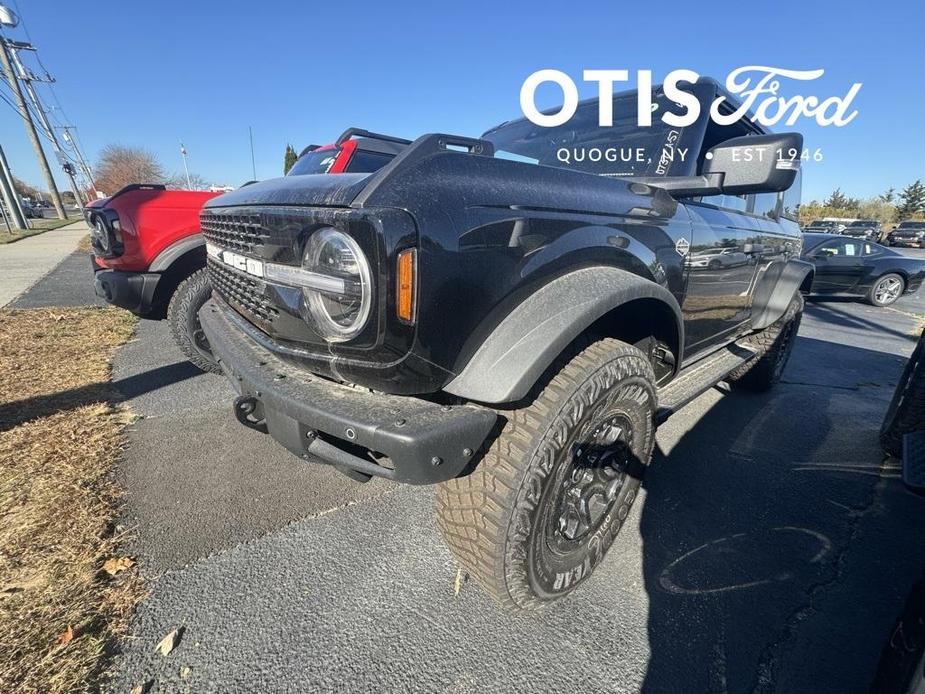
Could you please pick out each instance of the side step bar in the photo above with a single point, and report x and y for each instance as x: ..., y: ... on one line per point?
x: 698, y: 378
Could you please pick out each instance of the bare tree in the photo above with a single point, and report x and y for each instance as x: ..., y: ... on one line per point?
x: 120, y: 166
x: 178, y: 182
x: 25, y: 190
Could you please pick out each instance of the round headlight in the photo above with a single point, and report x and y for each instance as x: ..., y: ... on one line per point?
x: 339, y: 312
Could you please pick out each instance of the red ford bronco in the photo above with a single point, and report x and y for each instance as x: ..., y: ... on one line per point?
x: 149, y: 254
x: 149, y: 258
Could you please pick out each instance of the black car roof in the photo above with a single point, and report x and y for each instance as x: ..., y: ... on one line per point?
x: 813, y: 240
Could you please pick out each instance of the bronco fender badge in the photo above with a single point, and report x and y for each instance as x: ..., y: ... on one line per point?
x: 682, y: 246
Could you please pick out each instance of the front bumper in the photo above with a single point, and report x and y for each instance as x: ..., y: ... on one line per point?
x: 908, y: 242
x: 129, y: 290
x: 414, y: 441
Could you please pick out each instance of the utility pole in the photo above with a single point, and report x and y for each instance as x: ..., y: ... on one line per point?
x: 10, y: 194
x: 26, y: 78
x: 189, y: 184
x: 72, y: 139
x: 30, y: 128
x: 250, y: 132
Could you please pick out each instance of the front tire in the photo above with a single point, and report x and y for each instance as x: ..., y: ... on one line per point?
x: 183, y: 317
x: 773, y: 345
x: 886, y: 289
x: 540, y: 511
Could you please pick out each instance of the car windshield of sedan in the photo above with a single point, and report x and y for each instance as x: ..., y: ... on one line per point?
x: 863, y: 223
x: 912, y: 225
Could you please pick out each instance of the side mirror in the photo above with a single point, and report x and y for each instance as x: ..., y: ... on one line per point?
x: 757, y: 164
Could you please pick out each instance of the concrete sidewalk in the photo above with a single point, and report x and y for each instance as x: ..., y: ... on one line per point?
x: 25, y: 262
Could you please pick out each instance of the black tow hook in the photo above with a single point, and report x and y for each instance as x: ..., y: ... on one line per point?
x: 249, y: 411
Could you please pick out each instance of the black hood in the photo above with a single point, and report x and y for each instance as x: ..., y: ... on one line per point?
x: 310, y: 190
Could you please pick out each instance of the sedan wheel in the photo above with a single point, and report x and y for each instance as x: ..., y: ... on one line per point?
x: 886, y: 290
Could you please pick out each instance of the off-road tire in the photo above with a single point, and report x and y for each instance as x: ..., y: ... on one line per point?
x: 773, y: 346
x: 183, y: 317
x: 872, y: 292
x: 499, y: 519
x: 906, y: 412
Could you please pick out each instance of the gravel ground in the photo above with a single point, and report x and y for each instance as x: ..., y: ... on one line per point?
x: 771, y: 551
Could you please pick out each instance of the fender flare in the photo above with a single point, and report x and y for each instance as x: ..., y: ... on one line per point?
x: 166, y: 257
x: 524, y: 344
x: 789, y: 281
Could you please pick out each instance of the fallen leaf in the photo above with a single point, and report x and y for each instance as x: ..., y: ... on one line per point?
x: 169, y: 642
x: 66, y: 636
x: 186, y: 671
x: 117, y: 564
x: 142, y: 688
x: 457, y: 585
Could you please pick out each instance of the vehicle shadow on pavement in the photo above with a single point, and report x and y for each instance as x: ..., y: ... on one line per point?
x: 13, y: 414
x: 778, y: 541
x: 836, y: 311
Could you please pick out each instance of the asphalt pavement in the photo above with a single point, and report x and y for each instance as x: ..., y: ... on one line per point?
x: 771, y: 550
x: 25, y: 262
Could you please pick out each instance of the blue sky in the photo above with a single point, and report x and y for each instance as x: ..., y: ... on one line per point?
x: 149, y: 74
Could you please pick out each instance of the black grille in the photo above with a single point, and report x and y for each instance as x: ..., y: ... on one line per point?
x: 242, y: 292
x: 236, y: 232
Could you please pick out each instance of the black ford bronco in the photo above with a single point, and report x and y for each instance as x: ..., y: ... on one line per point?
x: 485, y: 315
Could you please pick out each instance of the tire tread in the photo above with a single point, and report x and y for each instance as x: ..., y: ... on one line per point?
x: 474, y: 512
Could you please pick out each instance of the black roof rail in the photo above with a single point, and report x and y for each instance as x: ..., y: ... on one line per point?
x: 359, y: 132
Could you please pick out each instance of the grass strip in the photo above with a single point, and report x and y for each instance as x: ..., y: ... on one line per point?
x: 65, y: 594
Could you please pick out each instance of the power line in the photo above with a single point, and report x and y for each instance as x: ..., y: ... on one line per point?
x: 7, y: 63
x: 32, y: 112
x: 49, y: 81
x: 39, y: 110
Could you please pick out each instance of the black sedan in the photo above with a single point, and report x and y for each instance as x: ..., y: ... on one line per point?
x: 861, y: 268
x: 867, y: 229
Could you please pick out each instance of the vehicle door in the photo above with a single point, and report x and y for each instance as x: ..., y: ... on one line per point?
x: 839, y: 265
x: 727, y: 248
x: 718, y: 301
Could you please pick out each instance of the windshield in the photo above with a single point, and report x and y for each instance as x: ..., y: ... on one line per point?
x: 912, y: 225
x: 624, y: 149
x: 863, y: 223
x: 318, y: 161
x: 821, y: 223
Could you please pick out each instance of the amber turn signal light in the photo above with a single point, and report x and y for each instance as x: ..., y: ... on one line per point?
x: 405, y: 284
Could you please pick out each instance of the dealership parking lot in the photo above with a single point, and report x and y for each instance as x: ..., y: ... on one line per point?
x: 772, y: 550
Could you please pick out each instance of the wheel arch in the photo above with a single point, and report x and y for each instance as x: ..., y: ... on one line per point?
x: 806, y: 286
x: 902, y: 272
x: 783, y: 280
x: 604, y: 301
x: 879, y: 274
x: 175, y: 263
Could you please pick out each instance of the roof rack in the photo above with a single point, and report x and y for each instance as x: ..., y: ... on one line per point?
x: 359, y: 132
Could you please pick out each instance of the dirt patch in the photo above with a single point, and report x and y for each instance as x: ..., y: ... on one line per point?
x: 64, y: 594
